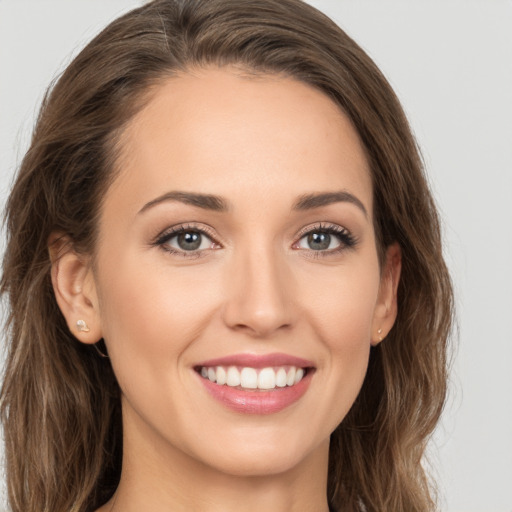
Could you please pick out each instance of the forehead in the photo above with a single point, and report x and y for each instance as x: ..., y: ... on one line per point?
x: 224, y: 132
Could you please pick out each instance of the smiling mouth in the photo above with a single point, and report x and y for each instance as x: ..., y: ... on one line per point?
x: 253, y: 379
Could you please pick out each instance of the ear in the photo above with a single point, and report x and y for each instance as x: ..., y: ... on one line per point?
x: 386, y: 308
x: 75, y: 289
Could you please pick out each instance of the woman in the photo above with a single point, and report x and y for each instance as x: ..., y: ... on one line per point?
x: 225, y: 275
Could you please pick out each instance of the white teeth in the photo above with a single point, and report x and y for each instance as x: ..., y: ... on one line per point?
x: 252, y: 378
x: 267, y: 379
x: 221, y: 375
x: 233, y: 377
x: 281, y: 378
x: 249, y: 378
x: 290, y: 378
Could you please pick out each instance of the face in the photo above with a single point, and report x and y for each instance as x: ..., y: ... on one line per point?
x: 236, y: 279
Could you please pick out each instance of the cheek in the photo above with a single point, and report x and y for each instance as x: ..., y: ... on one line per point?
x: 155, y: 312
x: 341, y: 305
x: 340, y: 311
x: 345, y: 331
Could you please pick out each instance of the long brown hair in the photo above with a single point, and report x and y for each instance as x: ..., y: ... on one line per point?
x: 60, y: 403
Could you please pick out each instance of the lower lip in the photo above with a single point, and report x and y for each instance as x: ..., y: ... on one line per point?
x: 257, y: 402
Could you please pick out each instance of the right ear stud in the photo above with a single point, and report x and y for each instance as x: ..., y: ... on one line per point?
x: 81, y: 326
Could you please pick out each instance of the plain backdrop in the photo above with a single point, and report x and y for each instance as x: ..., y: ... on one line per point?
x: 451, y: 64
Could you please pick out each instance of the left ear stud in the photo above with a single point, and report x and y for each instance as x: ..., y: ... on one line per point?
x: 379, y: 332
x: 81, y: 326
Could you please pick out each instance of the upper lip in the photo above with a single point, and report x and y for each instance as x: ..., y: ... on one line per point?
x: 258, y: 361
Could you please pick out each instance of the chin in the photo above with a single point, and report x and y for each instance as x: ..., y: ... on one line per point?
x: 260, y: 459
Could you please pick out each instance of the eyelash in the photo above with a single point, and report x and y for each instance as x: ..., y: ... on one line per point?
x: 346, y: 239
x: 163, y: 239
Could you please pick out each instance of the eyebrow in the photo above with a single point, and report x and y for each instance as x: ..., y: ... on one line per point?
x: 205, y: 201
x: 310, y: 201
x: 218, y: 204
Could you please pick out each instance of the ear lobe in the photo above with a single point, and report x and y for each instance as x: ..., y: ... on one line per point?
x: 75, y: 290
x: 386, y: 309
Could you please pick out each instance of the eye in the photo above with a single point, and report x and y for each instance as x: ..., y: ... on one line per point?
x: 186, y: 241
x: 190, y: 241
x: 329, y: 239
x: 319, y: 241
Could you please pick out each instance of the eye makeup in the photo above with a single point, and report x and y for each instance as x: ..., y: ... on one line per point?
x: 319, y: 237
x: 188, y: 240
x: 194, y: 240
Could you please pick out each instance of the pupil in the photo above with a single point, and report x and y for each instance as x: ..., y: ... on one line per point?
x: 189, y: 241
x: 319, y: 241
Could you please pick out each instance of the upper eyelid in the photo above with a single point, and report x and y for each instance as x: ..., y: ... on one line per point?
x: 208, y: 231
x: 322, y: 226
x: 192, y: 226
x: 179, y: 228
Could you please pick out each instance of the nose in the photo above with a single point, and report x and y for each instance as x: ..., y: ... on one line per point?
x: 259, y: 294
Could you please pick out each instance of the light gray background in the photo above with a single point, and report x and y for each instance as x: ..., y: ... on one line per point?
x: 451, y: 65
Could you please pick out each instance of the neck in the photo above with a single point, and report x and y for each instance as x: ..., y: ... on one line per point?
x: 158, y: 477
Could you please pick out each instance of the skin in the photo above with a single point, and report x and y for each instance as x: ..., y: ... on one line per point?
x: 257, y: 287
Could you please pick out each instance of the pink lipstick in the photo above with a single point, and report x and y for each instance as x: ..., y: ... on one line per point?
x: 256, y: 384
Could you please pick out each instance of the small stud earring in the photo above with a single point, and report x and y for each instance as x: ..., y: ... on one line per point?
x: 379, y: 332
x: 82, y: 326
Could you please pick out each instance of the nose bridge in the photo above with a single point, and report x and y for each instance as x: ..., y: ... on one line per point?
x: 258, y: 298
